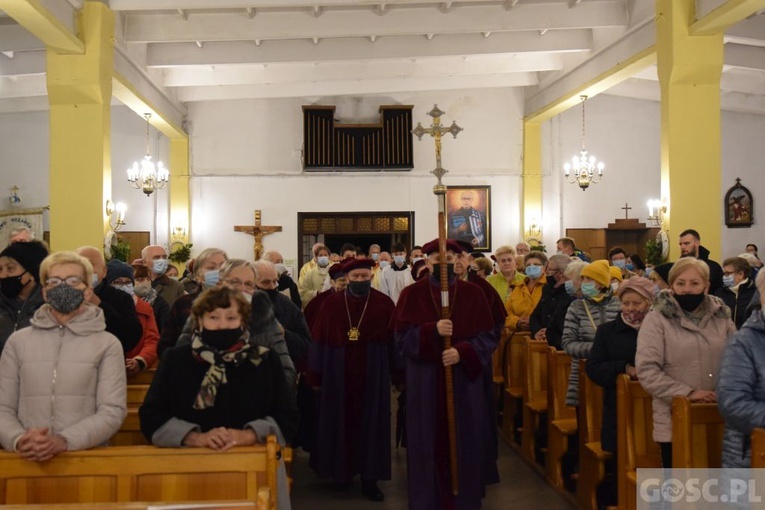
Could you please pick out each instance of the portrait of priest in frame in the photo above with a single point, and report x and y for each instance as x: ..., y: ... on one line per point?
x: 468, y: 215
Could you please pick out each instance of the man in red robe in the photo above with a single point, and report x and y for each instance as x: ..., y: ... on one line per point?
x: 351, y: 360
x: 419, y: 332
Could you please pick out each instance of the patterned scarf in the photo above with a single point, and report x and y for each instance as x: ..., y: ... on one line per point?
x: 241, y: 351
x: 151, y: 297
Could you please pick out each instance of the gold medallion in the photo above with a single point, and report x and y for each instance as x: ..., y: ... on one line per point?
x: 353, y: 334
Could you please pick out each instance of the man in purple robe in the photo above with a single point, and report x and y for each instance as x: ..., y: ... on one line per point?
x: 351, y: 361
x: 419, y: 333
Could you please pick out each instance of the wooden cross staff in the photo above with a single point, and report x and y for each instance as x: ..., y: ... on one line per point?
x: 259, y: 232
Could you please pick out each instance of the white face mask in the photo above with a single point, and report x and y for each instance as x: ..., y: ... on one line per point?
x: 614, y: 286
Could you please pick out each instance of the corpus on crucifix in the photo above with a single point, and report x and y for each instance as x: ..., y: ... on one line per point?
x: 258, y: 231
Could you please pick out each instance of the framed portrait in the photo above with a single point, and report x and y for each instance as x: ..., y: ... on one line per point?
x: 739, y: 206
x: 468, y: 215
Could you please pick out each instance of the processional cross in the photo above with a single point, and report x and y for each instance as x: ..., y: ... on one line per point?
x: 259, y: 232
x: 436, y: 130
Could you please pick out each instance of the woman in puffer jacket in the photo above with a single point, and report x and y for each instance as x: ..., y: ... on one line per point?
x: 680, y: 346
x: 741, y: 387
x: 62, y: 380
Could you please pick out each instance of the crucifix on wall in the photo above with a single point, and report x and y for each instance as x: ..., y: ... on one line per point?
x: 258, y: 231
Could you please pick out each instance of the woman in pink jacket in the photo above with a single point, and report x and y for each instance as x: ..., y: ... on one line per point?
x: 680, y: 346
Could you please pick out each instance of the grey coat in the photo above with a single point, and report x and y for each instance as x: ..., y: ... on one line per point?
x: 676, y: 357
x: 579, y: 332
x: 741, y: 390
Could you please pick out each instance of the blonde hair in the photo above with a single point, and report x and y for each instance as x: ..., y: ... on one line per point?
x: 505, y: 249
x: 232, y: 264
x: 574, y: 270
x: 66, y: 257
x: 206, y: 254
x: 686, y: 263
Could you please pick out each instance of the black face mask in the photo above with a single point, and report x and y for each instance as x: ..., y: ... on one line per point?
x: 11, y: 286
x: 449, y: 271
x: 689, y: 302
x: 221, y: 339
x: 271, y: 293
x: 360, y: 288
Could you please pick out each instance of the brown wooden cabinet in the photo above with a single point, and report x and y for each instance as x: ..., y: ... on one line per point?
x: 630, y: 235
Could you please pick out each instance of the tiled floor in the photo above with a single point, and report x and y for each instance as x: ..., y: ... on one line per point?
x: 520, y: 488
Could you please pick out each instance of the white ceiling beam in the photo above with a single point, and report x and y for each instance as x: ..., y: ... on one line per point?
x: 23, y: 63
x: 214, y: 53
x: 353, y: 87
x: 33, y: 85
x: 24, y: 104
x: 750, y: 31
x: 745, y: 57
x: 725, y: 16
x: 52, y: 21
x: 14, y: 37
x: 403, y: 69
x: 354, y: 23
x: 163, y: 5
x: 136, y: 90
x: 607, y: 67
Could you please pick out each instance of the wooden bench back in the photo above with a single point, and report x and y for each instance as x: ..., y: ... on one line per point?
x: 697, y: 433
x: 590, y: 407
x: 136, y: 393
x: 514, y: 362
x: 558, y: 371
x: 129, y: 433
x: 634, y: 433
x: 498, y: 358
x: 535, y: 384
x: 143, y: 377
x: 758, y: 448
x: 141, y: 473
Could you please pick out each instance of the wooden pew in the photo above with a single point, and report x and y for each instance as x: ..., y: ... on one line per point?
x: 143, y: 377
x: 561, y: 419
x: 592, y: 458
x: 758, y: 448
x: 534, y: 396
x: 635, y: 447
x: 130, y: 432
x: 497, y: 368
x: 141, y: 473
x: 697, y: 433
x: 514, y: 369
x: 136, y: 393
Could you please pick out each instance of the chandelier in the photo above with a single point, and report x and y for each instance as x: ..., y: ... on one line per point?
x: 584, y: 166
x: 147, y: 176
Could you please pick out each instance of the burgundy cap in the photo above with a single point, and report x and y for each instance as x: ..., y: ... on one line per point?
x: 451, y: 245
x: 336, y: 271
x: 352, y: 264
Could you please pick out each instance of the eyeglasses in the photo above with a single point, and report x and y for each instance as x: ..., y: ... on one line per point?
x: 239, y: 283
x: 72, y: 281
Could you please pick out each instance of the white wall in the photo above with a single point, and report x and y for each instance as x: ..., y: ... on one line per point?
x: 246, y: 156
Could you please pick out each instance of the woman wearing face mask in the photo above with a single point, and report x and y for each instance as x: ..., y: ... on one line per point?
x: 313, y: 281
x: 525, y: 297
x: 597, y: 306
x: 613, y: 353
x: 221, y: 390
x: 143, y: 289
x: 63, y: 384
x: 20, y: 289
x: 680, y: 346
x: 207, y: 274
x: 738, y: 289
x: 635, y: 265
x: 144, y: 355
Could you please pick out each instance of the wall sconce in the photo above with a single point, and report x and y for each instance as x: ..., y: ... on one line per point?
x: 120, y: 209
x: 656, y: 210
x: 534, y: 231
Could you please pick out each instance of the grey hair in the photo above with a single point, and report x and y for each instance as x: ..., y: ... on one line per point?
x: 560, y: 262
x: 259, y: 264
x: 206, y: 254
x: 18, y: 230
x: 574, y: 269
x: 232, y: 264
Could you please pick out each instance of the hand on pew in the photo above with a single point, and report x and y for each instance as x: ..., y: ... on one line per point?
x: 37, y: 445
x: 632, y: 372
x: 221, y: 438
x: 541, y: 335
x: 708, y: 397
x: 132, y: 366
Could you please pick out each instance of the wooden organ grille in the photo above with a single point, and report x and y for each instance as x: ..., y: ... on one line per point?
x: 328, y: 145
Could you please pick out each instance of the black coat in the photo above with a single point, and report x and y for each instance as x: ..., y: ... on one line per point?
x: 551, y: 312
x: 286, y: 282
x: 296, y: 332
x: 715, y: 271
x: 16, y: 314
x: 120, y: 316
x: 739, y: 303
x: 612, y: 350
x: 251, y: 393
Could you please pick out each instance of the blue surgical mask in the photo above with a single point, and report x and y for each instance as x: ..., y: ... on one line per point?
x: 159, y: 266
x: 94, y: 280
x: 589, y: 290
x: 648, y: 271
x: 570, y: 288
x: 533, y: 272
x: 620, y: 263
x: 375, y: 256
x: 212, y: 277
x: 322, y: 261
x: 630, y: 266
x: 399, y: 259
x: 384, y: 264
x: 728, y: 280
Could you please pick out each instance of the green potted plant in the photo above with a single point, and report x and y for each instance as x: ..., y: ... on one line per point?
x: 653, y: 252
x: 180, y: 253
x: 120, y: 250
